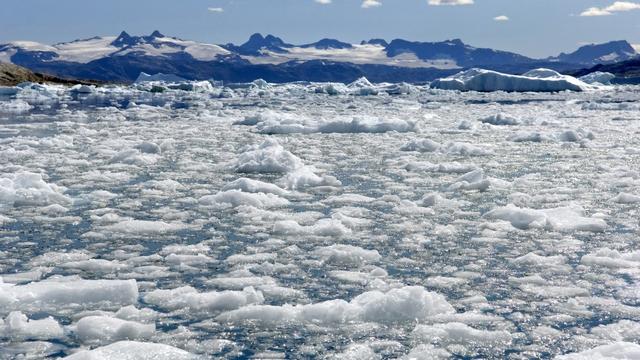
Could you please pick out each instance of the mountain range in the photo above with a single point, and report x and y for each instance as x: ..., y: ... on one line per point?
x: 122, y: 58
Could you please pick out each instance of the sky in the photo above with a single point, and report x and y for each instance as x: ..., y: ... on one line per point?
x: 537, y: 28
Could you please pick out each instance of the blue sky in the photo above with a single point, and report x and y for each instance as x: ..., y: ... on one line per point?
x: 531, y: 27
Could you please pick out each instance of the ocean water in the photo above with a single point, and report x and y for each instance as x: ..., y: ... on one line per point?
x: 277, y: 222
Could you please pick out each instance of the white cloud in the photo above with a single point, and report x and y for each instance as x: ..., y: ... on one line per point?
x: 450, y: 2
x: 371, y: 3
x: 501, y: 18
x: 216, y: 9
x: 623, y: 6
x: 323, y: 2
x: 618, y: 6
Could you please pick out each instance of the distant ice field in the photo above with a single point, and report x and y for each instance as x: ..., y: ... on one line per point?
x: 369, y: 221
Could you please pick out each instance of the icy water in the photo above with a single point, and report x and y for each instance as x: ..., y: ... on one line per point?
x: 276, y: 221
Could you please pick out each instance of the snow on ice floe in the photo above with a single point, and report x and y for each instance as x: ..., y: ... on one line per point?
x: 615, y: 351
x: 317, y: 220
x: 29, y: 189
x: 396, y: 305
x: 133, y: 350
x: 487, y: 80
x: 558, y: 219
x: 270, y: 122
x: 65, y: 294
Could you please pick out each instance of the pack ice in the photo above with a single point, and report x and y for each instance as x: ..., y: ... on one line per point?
x: 172, y: 219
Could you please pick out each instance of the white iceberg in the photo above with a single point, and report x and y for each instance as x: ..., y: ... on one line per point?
x: 488, y: 80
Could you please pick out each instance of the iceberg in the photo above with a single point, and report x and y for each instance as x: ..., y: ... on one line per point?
x: 598, y: 77
x: 160, y: 77
x: 488, y: 80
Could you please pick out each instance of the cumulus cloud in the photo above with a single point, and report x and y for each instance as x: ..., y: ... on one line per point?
x: 501, y: 18
x: 370, y: 3
x: 323, y: 2
x: 450, y: 2
x: 215, y: 9
x: 618, y: 6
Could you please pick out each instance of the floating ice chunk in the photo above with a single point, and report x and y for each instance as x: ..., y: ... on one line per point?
x: 164, y: 185
x: 191, y: 260
x: 623, y: 330
x: 357, y: 352
x: 421, y: 145
x: 324, y: 227
x: 82, y: 89
x: 54, y: 258
x: 427, y: 352
x: 306, y: 177
x: 533, y: 136
x: 133, y: 350
x: 148, y: 148
x: 346, y: 254
x: 29, y: 189
x: 465, y: 149
x: 332, y: 89
x: 615, y: 106
x: 362, y: 87
x: 254, y: 186
x: 159, y: 77
x: 189, y: 299
x: 57, y: 295
x: 263, y: 314
x: 625, y: 198
x: 18, y: 327
x: 95, y: 265
x: 143, y: 227
x: 348, y: 199
x: 239, y: 283
x: 575, y: 135
x: 598, y: 77
x: 462, y: 334
x: 140, y: 315
x: 616, y: 351
x: 268, y: 157
x: 534, y: 259
x: 488, y: 80
x: 15, y: 106
x: 250, y: 258
x: 500, y: 119
x: 235, y: 198
x: 105, y: 330
x: 134, y: 157
x: 473, y: 180
x: 466, y: 125
x: 566, y: 219
x: 410, y: 303
x: 363, y: 124
x: 25, y: 276
x: 606, y: 257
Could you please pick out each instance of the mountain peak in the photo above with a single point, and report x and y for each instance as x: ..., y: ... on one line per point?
x: 381, y: 42
x: 612, y: 51
x: 157, y: 34
x: 124, y: 39
x: 329, y: 44
x: 258, y: 42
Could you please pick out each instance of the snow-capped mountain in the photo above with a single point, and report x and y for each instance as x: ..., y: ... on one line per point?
x: 607, y: 53
x: 87, y: 50
x: 123, y: 57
